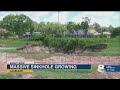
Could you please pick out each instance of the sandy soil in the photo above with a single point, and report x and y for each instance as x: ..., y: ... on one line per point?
x: 94, y: 60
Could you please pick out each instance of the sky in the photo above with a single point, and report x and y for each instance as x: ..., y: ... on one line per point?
x: 104, y: 18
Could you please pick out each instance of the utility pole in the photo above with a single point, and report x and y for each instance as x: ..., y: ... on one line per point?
x: 58, y: 16
x: 58, y: 21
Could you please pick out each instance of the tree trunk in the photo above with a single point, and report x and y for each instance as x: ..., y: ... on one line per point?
x: 85, y: 33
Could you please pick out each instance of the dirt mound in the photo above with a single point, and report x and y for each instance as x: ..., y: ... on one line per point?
x: 33, y: 48
x: 76, y: 51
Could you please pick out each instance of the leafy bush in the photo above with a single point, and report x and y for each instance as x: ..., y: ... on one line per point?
x: 116, y: 32
x: 34, y: 38
x: 12, y: 38
x: 6, y: 76
x: 35, y: 42
x: 71, y: 43
x: 67, y: 43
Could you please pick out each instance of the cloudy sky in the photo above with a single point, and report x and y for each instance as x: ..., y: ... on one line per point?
x: 103, y: 18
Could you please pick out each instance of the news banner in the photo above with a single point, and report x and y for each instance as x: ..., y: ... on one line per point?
x: 30, y: 66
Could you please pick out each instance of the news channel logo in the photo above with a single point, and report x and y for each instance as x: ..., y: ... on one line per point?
x: 101, y: 68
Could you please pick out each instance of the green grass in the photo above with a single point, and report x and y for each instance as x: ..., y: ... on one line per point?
x: 8, y: 50
x: 4, y: 41
x: 113, y: 49
x: 35, y: 42
x: 63, y: 74
x: 16, y: 44
x: 12, y: 44
x: 6, y: 76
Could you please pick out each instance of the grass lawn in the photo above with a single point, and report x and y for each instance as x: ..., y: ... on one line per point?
x: 6, y: 76
x: 63, y: 74
x: 113, y: 49
x: 16, y: 44
x: 8, y: 50
x: 4, y: 41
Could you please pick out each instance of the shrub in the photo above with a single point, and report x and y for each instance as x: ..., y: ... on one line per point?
x: 36, y: 38
x: 116, y: 32
x: 67, y: 43
x: 71, y: 43
x: 12, y: 38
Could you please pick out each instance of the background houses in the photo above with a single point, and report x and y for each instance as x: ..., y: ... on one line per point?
x: 90, y: 33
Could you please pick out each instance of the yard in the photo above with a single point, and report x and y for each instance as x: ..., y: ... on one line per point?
x: 112, y: 50
x: 84, y: 40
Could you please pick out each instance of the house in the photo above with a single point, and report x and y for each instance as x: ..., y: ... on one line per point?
x: 28, y: 34
x: 75, y: 33
x: 107, y: 34
x: 93, y: 32
x: 81, y: 33
x: 37, y: 33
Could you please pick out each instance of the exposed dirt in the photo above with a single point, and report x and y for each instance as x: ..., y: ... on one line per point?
x: 67, y: 59
x: 33, y: 48
x: 77, y: 51
x: 103, y: 75
x: 22, y: 76
x: 94, y: 60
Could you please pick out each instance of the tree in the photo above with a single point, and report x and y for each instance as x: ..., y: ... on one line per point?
x: 71, y: 26
x: 35, y: 26
x: 116, y: 32
x: 42, y: 27
x: 7, y: 23
x: 23, y: 23
x: 3, y: 32
x: 111, y: 28
x: 77, y: 27
x: 97, y: 27
x: 50, y: 28
x: 91, y: 27
x: 104, y: 29
x: 17, y: 24
x: 85, y: 25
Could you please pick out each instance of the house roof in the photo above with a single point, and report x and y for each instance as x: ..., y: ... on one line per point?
x: 82, y: 32
x: 92, y: 32
x: 28, y: 33
x: 106, y: 33
x: 36, y: 32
